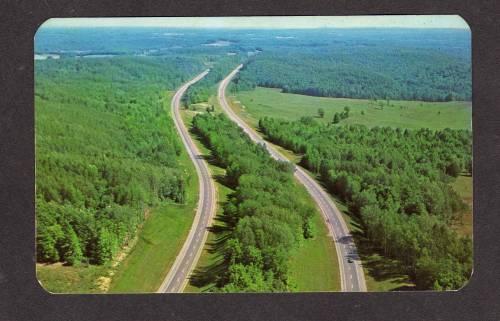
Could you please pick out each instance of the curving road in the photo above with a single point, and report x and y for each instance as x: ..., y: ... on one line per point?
x: 351, y: 273
x: 177, y: 278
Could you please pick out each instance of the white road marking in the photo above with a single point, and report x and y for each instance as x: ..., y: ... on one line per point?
x: 174, y: 279
x: 319, y: 195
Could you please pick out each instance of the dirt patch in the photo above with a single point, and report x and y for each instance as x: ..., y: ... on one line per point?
x: 103, y: 283
x: 120, y: 256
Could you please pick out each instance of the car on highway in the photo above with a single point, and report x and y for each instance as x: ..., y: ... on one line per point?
x: 349, y: 260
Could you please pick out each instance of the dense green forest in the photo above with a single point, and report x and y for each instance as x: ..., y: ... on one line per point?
x: 397, y: 182
x: 106, y: 151
x: 362, y: 71
x: 267, y: 218
x: 396, y: 64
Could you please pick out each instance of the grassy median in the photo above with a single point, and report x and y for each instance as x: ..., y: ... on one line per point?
x: 313, y: 266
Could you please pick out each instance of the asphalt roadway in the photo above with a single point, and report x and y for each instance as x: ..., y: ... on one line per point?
x: 178, y: 276
x: 351, y: 270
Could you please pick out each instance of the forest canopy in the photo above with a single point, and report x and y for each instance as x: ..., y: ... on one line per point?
x: 397, y: 182
x: 266, y: 216
x: 368, y: 72
x: 106, y: 151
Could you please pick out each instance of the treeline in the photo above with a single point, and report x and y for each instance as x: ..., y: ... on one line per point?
x: 397, y: 182
x: 266, y: 216
x: 373, y: 72
x: 106, y: 151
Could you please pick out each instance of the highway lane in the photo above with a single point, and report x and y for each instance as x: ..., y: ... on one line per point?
x: 352, y: 276
x: 177, y: 278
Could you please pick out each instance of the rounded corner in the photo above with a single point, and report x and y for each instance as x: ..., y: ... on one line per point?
x: 468, y: 282
x: 40, y: 26
x: 466, y: 23
x: 40, y: 286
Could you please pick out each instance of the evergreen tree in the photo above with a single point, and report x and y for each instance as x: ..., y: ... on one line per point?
x: 73, y: 252
x: 336, y: 118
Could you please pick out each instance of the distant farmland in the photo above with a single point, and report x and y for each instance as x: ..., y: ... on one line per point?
x: 268, y: 102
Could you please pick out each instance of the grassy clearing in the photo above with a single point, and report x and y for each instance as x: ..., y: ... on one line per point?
x: 313, y: 266
x: 383, y: 274
x: 268, y: 102
x: 159, y: 243
x: 57, y: 278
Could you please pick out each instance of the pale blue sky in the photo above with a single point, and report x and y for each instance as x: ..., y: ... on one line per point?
x: 409, y: 21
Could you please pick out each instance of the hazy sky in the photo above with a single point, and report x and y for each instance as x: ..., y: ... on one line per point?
x: 410, y: 21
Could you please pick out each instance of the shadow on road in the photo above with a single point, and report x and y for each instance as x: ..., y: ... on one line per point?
x: 213, y: 274
x: 345, y: 239
x: 388, y: 272
x: 208, y: 275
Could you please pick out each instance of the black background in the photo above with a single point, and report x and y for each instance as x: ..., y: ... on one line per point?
x: 22, y: 298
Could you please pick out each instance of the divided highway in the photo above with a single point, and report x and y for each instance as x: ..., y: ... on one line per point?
x: 177, y: 278
x: 351, y: 271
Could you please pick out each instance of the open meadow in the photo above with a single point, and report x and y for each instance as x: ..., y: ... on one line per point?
x: 271, y: 102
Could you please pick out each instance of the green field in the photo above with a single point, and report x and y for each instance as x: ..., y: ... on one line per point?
x: 159, y: 243
x: 266, y: 102
x: 57, y: 278
x: 313, y: 266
